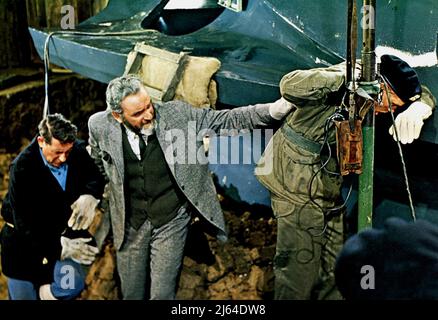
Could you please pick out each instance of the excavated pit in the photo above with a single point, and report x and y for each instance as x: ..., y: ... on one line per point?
x: 240, y: 269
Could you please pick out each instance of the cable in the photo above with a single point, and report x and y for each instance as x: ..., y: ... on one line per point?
x: 329, y: 122
x: 328, y: 212
x: 101, y: 34
x: 400, y: 151
x: 46, y: 109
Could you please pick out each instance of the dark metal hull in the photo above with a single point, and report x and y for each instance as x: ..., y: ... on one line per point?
x: 256, y: 48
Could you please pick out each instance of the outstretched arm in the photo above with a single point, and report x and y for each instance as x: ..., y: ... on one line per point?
x: 247, y: 117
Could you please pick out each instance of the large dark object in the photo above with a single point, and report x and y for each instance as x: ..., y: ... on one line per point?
x: 256, y: 48
x: 397, y: 262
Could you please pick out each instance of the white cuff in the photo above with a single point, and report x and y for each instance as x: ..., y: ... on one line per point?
x: 421, y: 109
x: 279, y: 108
x: 45, y: 293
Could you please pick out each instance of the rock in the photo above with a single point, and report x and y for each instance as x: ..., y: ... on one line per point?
x: 242, y: 259
x: 214, y: 274
x: 255, y: 239
x: 191, y: 286
x: 3, y: 287
x: 254, y: 253
x: 101, y: 278
x: 267, y: 254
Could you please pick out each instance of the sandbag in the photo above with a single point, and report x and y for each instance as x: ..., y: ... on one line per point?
x: 195, y: 85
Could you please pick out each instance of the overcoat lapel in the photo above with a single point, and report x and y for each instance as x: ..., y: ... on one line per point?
x: 165, y: 142
x: 116, y: 146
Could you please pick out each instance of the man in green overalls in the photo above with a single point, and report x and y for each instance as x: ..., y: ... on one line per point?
x: 310, y: 235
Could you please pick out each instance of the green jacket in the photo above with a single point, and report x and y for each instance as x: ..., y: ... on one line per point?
x: 308, y: 90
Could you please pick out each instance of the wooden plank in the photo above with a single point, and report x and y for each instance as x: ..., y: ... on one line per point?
x: 153, y: 51
x: 14, y: 37
x: 178, y: 62
x: 36, y: 13
x: 53, y: 12
x: 83, y: 10
x: 133, y: 62
x: 156, y: 95
x: 47, y: 13
x: 170, y: 88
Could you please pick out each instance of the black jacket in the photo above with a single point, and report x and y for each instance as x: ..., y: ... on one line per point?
x: 396, y: 262
x: 39, y: 209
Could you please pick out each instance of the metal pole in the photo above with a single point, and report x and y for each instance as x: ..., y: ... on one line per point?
x: 368, y: 76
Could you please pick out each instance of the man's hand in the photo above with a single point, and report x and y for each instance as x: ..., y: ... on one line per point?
x: 279, y: 108
x: 84, y: 210
x: 410, y: 122
x: 78, y: 250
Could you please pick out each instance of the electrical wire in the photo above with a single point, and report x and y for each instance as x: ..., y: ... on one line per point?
x: 400, y: 151
x: 46, y: 110
x: 328, y: 212
x: 46, y: 55
x: 328, y: 124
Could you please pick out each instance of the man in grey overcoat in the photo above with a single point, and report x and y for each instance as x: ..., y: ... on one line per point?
x: 153, y: 158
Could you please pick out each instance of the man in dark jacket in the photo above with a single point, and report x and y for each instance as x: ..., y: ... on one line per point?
x: 49, y: 178
x: 396, y: 262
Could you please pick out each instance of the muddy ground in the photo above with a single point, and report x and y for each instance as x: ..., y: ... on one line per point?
x: 238, y: 269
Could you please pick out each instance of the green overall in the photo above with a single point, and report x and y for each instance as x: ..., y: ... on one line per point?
x: 306, y: 253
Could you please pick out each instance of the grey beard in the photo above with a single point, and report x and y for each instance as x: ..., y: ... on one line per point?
x: 150, y: 130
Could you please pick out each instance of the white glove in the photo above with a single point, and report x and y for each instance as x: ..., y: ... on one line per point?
x: 78, y: 250
x: 410, y: 122
x: 279, y: 108
x: 84, y: 210
x: 45, y: 292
